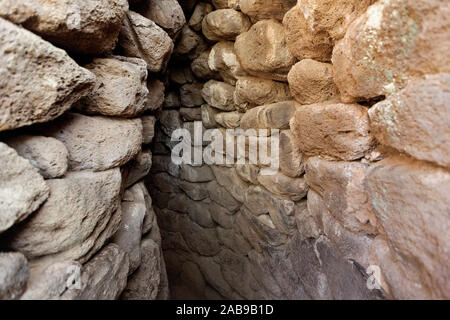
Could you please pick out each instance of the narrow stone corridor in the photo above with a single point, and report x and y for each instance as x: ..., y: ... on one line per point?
x: 224, y: 149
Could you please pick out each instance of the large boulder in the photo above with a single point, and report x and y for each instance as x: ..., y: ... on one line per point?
x: 155, y: 94
x: 144, y: 283
x: 80, y: 26
x: 416, y: 119
x: 138, y: 168
x: 97, y: 143
x: 102, y: 278
x: 266, y: 9
x: 38, y: 82
x: 200, y: 12
x: 49, y: 155
x: 291, y: 159
x: 224, y: 24
x: 200, y: 67
x: 313, y: 26
x: 263, y: 52
x: 341, y: 186
x: 394, y: 41
x: 410, y: 200
x: 284, y: 186
x: 189, y: 44
x: 251, y: 92
x: 120, y: 87
x: 14, y: 275
x: 223, y: 59
x: 311, y: 82
x: 191, y: 95
x: 128, y: 236
x: 272, y: 116
x: 166, y: 13
x: 143, y: 38
x: 78, y: 217
x: 337, y: 130
x: 219, y: 95
x: 17, y: 201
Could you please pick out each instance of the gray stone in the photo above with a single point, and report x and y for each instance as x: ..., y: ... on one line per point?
x: 104, y: 277
x: 83, y: 26
x: 144, y: 283
x: 49, y: 155
x: 14, y: 275
x: 142, y: 38
x: 219, y: 95
x: 78, y: 217
x: 42, y: 82
x: 139, y: 167
x: 166, y: 13
x: 17, y: 202
x: 120, y: 88
x: 148, y: 129
x: 97, y: 143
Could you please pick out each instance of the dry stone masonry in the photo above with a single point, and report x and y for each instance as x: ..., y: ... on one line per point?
x: 355, y: 94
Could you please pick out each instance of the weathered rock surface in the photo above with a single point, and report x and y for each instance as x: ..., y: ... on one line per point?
x: 172, y: 100
x: 49, y: 155
x: 120, y: 87
x: 77, y: 217
x: 155, y: 97
x: 284, y: 186
x: 313, y: 26
x: 200, y: 12
x: 200, y: 67
x: 209, y: 116
x: 196, y: 174
x: 223, y: 59
x: 391, y: 43
x: 411, y: 202
x: 97, y: 143
x: 128, y: 235
x: 17, y: 202
x: 142, y: 38
x: 165, y: 13
x: 266, y: 9
x: 38, y: 81
x: 191, y: 95
x: 148, y: 129
x: 229, y: 179
x: 219, y: 95
x: 271, y: 116
x: 336, y: 130
x: 181, y: 74
x: 342, y: 187
x: 224, y: 24
x: 312, y: 82
x: 102, y: 278
x: 251, y: 92
x: 263, y: 52
x: 416, y: 119
x: 14, y: 275
x: 50, y: 281
x: 189, y: 44
x: 144, y: 283
x: 291, y: 159
x: 85, y: 27
x: 191, y: 114
x: 139, y: 167
x: 229, y: 120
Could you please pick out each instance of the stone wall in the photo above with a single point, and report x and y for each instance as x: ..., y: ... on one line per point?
x: 91, y: 92
x: 360, y: 94
x: 76, y: 220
